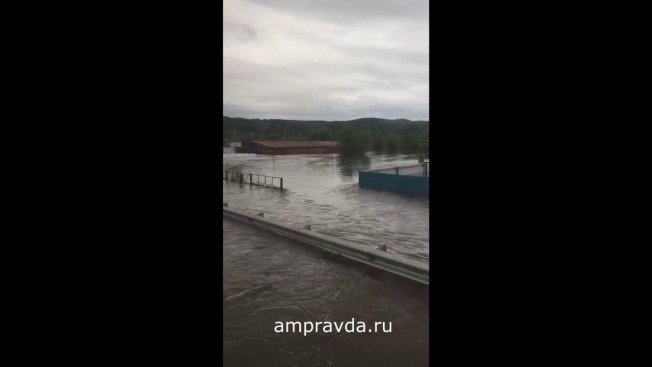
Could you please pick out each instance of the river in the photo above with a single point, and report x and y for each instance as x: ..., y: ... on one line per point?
x: 268, y: 278
x: 322, y: 190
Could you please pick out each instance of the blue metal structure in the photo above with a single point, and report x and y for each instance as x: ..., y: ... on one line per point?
x: 410, y: 180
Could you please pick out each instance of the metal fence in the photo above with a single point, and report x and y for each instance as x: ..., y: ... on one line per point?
x: 419, y: 170
x: 254, y: 179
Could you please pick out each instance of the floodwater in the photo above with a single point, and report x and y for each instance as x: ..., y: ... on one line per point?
x: 322, y: 190
x: 269, y: 278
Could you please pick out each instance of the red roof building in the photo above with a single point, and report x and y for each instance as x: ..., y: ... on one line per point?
x: 293, y: 147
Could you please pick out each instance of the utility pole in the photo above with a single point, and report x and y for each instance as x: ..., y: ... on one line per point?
x: 421, y: 152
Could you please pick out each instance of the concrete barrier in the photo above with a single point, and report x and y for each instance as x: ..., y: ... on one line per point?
x: 410, y: 269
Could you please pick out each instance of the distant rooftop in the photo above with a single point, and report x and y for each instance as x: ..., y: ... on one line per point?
x: 294, y: 144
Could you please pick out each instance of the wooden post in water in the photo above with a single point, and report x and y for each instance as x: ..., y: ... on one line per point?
x: 251, y: 182
x: 397, y: 170
x: 281, y: 183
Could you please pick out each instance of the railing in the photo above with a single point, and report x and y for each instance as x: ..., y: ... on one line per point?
x: 377, y: 258
x: 422, y: 170
x: 254, y: 179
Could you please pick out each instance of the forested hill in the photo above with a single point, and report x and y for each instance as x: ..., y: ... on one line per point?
x: 354, y: 136
x: 286, y: 128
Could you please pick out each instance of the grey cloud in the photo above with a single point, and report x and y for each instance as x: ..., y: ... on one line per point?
x: 239, y: 32
x: 281, y: 63
x: 348, y: 11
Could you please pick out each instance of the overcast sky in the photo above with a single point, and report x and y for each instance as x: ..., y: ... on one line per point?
x: 326, y: 59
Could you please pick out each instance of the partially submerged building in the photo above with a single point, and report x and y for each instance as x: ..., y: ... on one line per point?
x: 277, y: 147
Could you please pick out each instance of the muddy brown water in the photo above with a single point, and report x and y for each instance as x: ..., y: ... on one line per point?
x: 269, y: 278
x: 322, y: 190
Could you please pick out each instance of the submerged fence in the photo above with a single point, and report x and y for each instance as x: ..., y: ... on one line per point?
x: 254, y: 179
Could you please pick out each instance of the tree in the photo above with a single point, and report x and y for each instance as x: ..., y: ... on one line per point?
x: 378, y: 142
x: 354, y: 140
x: 274, y: 136
x: 297, y: 138
x: 321, y: 133
x: 391, y: 143
x: 409, y: 142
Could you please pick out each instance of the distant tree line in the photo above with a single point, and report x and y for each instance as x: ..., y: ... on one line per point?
x: 355, y: 136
